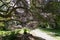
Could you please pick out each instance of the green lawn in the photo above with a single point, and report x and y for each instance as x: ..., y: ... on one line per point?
x: 52, y: 32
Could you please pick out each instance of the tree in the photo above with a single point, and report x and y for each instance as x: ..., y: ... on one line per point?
x: 9, y: 9
x: 12, y: 10
x: 54, y: 9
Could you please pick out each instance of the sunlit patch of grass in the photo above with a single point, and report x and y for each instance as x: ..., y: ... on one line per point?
x: 6, y: 33
x: 52, y: 32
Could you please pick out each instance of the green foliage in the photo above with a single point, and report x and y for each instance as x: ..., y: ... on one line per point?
x: 12, y: 35
x: 1, y: 3
x: 53, y: 7
x: 1, y: 24
x: 20, y: 31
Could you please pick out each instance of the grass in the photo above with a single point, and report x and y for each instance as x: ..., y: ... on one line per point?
x: 52, y: 32
x: 20, y: 31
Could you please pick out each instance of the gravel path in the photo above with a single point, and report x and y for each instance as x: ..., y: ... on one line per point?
x: 41, y: 34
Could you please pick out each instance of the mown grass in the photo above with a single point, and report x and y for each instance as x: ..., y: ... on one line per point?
x: 52, y: 32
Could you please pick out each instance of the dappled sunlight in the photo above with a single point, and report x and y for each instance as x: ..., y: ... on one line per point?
x: 44, y: 35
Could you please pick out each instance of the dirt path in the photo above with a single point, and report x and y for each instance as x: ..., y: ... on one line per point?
x: 41, y: 34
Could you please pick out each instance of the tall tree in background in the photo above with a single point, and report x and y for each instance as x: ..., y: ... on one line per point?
x: 54, y: 9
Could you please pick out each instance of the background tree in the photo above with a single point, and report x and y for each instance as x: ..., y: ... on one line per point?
x: 54, y: 9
